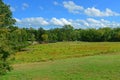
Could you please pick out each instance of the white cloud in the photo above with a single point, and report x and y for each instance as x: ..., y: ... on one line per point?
x: 91, y: 20
x: 37, y: 22
x: 72, y: 7
x: 94, y: 12
x: 32, y: 22
x: 25, y: 6
x: 93, y: 23
x: 59, y: 22
x: 97, y: 23
x: 97, y: 13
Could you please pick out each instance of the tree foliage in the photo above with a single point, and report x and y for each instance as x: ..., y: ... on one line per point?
x: 5, y: 51
x: 6, y: 19
x: 12, y: 38
x: 68, y: 33
x: 44, y: 37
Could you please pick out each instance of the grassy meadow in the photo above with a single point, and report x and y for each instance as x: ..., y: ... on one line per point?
x: 61, y: 50
x: 99, y: 67
x: 67, y: 61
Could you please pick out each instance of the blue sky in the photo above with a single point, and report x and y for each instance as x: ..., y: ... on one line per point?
x: 56, y: 13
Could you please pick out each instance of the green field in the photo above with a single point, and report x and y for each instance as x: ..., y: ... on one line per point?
x: 67, y: 61
x: 61, y: 50
x: 103, y: 67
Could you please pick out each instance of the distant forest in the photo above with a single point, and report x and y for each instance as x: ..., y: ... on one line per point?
x: 68, y: 33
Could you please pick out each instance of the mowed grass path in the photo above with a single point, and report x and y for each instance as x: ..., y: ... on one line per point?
x: 61, y: 50
x: 99, y: 67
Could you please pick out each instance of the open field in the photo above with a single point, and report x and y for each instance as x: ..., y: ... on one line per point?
x: 61, y: 50
x: 67, y: 61
x: 99, y: 67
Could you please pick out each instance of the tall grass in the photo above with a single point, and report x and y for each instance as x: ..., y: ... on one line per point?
x: 60, y: 50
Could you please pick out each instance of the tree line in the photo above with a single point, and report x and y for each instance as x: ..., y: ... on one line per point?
x: 69, y: 33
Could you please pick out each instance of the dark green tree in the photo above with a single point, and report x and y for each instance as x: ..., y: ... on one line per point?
x: 68, y: 32
x: 52, y: 35
x: 6, y: 47
x: 44, y: 37
x: 5, y: 51
x: 41, y: 31
x: 105, y: 33
x: 115, y: 34
x: 6, y: 19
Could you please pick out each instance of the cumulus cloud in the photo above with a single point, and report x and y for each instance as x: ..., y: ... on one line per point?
x: 25, y: 6
x: 72, y: 7
x: 54, y: 22
x: 92, y: 11
x: 96, y: 12
x: 59, y: 22
x: 97, y: 23
x: 39, y: 21
x: 93, y: 23
x: 32, y: 22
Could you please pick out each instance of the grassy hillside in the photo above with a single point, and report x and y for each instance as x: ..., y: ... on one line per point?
x: 61, y: 50
x: 99, y: 67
